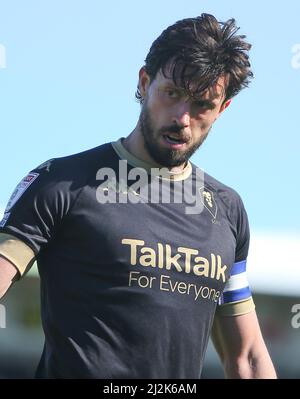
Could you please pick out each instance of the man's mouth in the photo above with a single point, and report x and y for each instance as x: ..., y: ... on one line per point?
x: 174, y: 142
x: 171, y: 139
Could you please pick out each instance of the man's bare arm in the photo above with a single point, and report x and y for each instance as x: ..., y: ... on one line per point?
x: 240, y: 345
x: 7, y: 273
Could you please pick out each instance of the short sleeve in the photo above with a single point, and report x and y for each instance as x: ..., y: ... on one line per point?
x: 33, y: 213
x: 236, y: 298
x: 243, y: 233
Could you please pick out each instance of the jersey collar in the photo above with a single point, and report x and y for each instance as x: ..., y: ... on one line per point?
x: 138, y: 163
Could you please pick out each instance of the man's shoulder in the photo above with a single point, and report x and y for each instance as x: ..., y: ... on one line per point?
x: 71, y: 172
x: 226, y: 193
x: 80, y: 159
x: 78, y: 164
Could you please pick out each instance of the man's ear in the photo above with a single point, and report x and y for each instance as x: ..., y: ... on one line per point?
x: 225, y: 105
x: 144, y: 82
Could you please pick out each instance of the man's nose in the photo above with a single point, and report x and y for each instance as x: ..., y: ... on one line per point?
x: 182, y: 114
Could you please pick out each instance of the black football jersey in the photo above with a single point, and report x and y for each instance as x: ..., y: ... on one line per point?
x: 132, y: 264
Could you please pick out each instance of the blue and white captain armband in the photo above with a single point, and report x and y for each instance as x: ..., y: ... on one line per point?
x: 236, y: 298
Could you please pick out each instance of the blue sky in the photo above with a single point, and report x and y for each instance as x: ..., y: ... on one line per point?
x: 70, y: 75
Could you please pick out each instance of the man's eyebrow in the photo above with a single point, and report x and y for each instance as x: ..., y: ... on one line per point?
x: 208, y: 103
x: 204, y: 101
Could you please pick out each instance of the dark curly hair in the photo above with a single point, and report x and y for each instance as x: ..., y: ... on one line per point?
x: 199, y: 51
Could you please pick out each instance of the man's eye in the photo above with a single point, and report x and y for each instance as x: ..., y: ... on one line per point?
x: 204, y: 105
x: 172, y: 93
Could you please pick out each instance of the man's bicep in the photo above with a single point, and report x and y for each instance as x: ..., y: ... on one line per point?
x: 8, y: 272
x: 236, y: 335
x: 15, y: 251
x: 235, y: 309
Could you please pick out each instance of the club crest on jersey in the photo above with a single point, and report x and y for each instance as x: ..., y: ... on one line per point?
x: 20, y: 190
x: 208, y: 200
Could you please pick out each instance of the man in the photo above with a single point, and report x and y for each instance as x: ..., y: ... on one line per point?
x: 131, y: 282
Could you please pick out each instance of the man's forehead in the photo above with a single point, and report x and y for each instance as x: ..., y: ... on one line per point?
x: 214, y: 92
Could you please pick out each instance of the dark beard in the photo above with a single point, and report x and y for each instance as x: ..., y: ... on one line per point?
x: 164, y: 156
